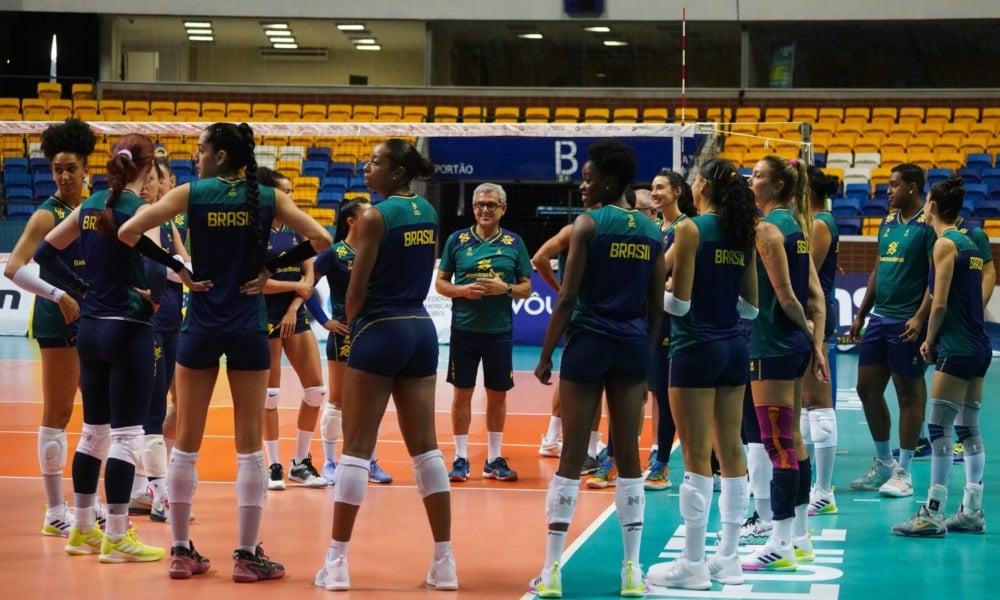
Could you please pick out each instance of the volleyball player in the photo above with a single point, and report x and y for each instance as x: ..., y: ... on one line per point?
x: 897, y: 299
x: 958, y: 344
x: 394, y: 351
x: 610, y: 320
x: 66, y: 146
x: 228, y: 219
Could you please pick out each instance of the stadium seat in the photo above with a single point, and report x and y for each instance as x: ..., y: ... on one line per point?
x: 857, y: 191
x: 841, y: 143
x: 288, y: 112
x: 975, y: 193
x: 992, y: 227
x: 830, y: 113
x: 237, y: 112
x: 292, y: 153
x: 593, y: 114
x: 33, y: 109
x: 314, y: 112
x: 319, y: 153
x: 386, y: 113
x: 984, y: 128
x: 654, y: 115
x: 82, y: 91
x: 85, y: 109
x: 324, y: 216
x: 875, y: 207
x: 44, y: 189
x: 60, y: 110
x: 825, y: 126
x: 446, y: 114
x: 925, y: 160
x: 414, y: 114
x: 724, y: 114
x: 506, y: 114
x: 840, y: 160
x: 959, y: 128
x: 213, y: 111
x: 571, y: 114
x: 328, y: 199
x: 39, y: 166
x: 187, y: 111
x: 852, y: 126
x: 340, y: 169
x: 965, y: 115
x: 10, y: 109
x: 314, y: 168
x: 537, y: 114
x: 473, y: 114
x: 364, y: 112
x: 921, y: 144
x: 948, y: 160
x: 987, y: 209
x: 880, y: 175
x: 804, y: 114
x: 342, y: 113
x: 162, y: 110
x: 970, y: 175
x: 930, y: 128
x: 777, y: 115
x: 847, y: 206
x: 19, y: 210
x: 937, y: 114
x: 860, y: 113
x: 849, y: 226
x: 264, y: 111
x: 136, y: 110
x: 747, y: 114
x: 979, y: 160
x: 990, y: 176
x: 49, y: 90
x: 867, y: 160
x: 885, y: 113
x: 688, y: 114
x: 860, y: 175
x: 625, y: 115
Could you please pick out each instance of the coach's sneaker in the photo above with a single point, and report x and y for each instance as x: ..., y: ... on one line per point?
x: 633, y: 581
x: 900, y: 485
x: 548, y: 584
x: 755, y: 530
x: 57, y: 521
x: 804, y: 552
x: 442, y: 575
x: 276, y: 477
x: 376, y: 474
x: 590, y: 465
x: 255, y: 566
x: 459, y: 470
x: 681, y: 573
x: 923, y: 449
x: 658, y: 477
x: 185, y: 562
x: 605, y: 476
x: 498, y: 469
x: 80, y: 543
x: 923, y: 523
x: 329, y: 470
x: 334, y: 575
x: 771, y: 557
x: 129, y: 549
x: 874, y: 478
x: 822, y: 503
x: 966, y: 521
x: 958, y: 453
x: 303, y: 472
x: 726, y: 570
x: 550, y: 448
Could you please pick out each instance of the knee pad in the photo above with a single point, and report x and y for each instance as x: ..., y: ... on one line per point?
x: 430, y: 473
x: 314, y: 396
x: 734, y: 499
x: 272, y: 397
x: 630, y: 501
x: 694, y: 501
x: 251, y: 479
x: 560, y: 500
x: 51, y: 450
x: 182, y: 476
x: 823, y: 427
x: 760, y: 469
x: 805, y: 427
x: 776, y: 435
x: 126, y: 444
x: 95, y: 440
x: 968, y: 431
x: 331, y: 424
x: 154, y: 456
x: 351, y: 480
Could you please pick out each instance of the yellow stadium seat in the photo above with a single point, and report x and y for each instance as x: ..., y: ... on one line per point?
x: 188, y: 111
x: 357, y: 196
x: 924, y: 159
x: 593, y: 114
x: 537, y: 114
x: 830, y: 113
x: 842, y: 142
x: 327, y: 217
x: 414, y: 114
x: 737, y: 143
x: 473, y: 114
x: 921, y: 144
x: 889, y: 113
x: 882, y: 174
x: 174, y: 139
x: 275, y: 140
x: 60, y: 110
x: 688, y: 114
x: 947, y: 143
x: 896, y: 143
x: 959, y: 128
x: 86, y: 110
x: 974, y: 144
x: 770, y: 130
x: 852, y: 126
x: 893, y: 159
x: 911, y: 114
x: 388, y: 113
x: 939, y: 114
x: 263, y: 111
x: 931, y: 128
x: 446, y: 114
x: 880, y: 127
x: 867, y: 144
x: 289, y: 167
x: 288, y: 112
x: 654, y: 115
x: 993, y: 145
x: 136, y: 110
x: 820, y: 141
x: 857, y: 112
x: 85, y: 91
x: 162, y: 110
x: 237, y: 112
x: 826, y: 125
x: 747, y: 114
x: 625, y: 115
x: 871, y: 225
x: 10, y: 104
x: 314, y: 112
x: 777, y: 115
x: 213, y: 111
x: 723, y: 114
x: 949, y: 160
x: 571, y: 114
x: 364, y: 112
x: 804, y: 114
x: 965, y: 114
x: 112, y: 110
x: 506, y: 114
x: 49, y: 91
x: 34, y: 109
x: 733, y: 155
x: 987, y: 128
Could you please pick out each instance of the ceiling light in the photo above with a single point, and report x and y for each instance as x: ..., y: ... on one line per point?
x: 598, y: 29
x: 368, y: 47
x: 274, y: 25
x: 200, y: 38
x: 530, y: 36
x: 282, y: 40
x: 350, y: 26
x: 364, y: 41
x: 199, y: 31
x: 286, y: 46
x: 615, y: 43
x: 197, y: 23
x: 276, y: 32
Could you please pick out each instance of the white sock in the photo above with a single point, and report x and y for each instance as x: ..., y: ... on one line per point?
x: 302, y: 441
x: 595, y: 439
x: 442, y: 550
x: 462, y: 446
x: 494, y: 441
x: 337, y: 550
x: 271, y: 447
x: 555, y: 429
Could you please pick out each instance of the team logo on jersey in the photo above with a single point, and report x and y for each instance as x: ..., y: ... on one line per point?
x: 416, y: 211
x: 180, y: 220
x: 631, y: 220
x: 463, y: 237
x: 507, y: 240
x: 341, y: 252
x: 483, y: 264
x: 922, y: 218
x: 890, y: 218
x: 893, y: 247
x: 468, y: 251
x: 60, y: 212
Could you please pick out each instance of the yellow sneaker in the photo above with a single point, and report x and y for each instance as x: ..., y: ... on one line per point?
x: 57, y: 521
x: 80, y: 543
x: 129, y: 549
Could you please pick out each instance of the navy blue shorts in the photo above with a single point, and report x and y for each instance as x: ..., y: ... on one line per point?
x: 591, y: 358
x: 881, y: 345
x: 116, y: 371
x: 495, y: 350
x: 404, y: 346
x: 58, y: 342
x: 711, y: 364
x: 301, y: 324
x: 964, y: 367
x: 780, y: 368
x: 338, y: 347
x: 244, y: 352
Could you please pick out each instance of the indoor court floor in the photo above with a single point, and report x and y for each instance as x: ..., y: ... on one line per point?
x: 498, y: 528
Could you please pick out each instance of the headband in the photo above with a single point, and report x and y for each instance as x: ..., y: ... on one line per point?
x: 125, y: 152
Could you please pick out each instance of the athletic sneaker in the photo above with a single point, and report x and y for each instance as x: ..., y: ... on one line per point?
x: 80, y: 543
x: 459, y: 469
x: 548, y: 584
x: 101, y: 516
x: 900, y: 485
x: 255, y: 566
x: 633, y: 581
x: 58, y: 521
x: 923, y: 449
x: 276, y: 477
x: 822, y: 503
x: 922, y: 524
x: 498, y: 469
x: 804, y: 552
x: 141, y: 504
x: 376, y: 474
x: 755, y: 530
x: 161, y: 512
x: 442, y: 575
x: 966, y: 521
x: 770, y: 557
x: 329, y: 470
x: 590, y: 465
x: 304, y: 473
x: 334, y: 575
x: 605, y: 476
x: 726, y: 570
x: 681, y: 573
x: 128, y: 549
x: 185, y: 562
x: 658, y: 477
x: 874, y: 478
x: 652, y: 458
x: 550, y: 448
x: 958, y: 453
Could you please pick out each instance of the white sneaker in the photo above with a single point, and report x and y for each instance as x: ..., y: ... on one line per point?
x: 681, y: 573
x: 548, y: 584
x: 334, y: 574
x: 900, y: 485
x: 755, y: 530
x: 550, y: 448
x: 633, y: 581
x: 58, y: 520
x: 822, y: 503
x: 725, y: 569
x: 803, y: 546
x: 442, y: 575
x: 770, y: 557
x: 880, y: 473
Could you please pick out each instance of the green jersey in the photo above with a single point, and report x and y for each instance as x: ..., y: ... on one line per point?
x: 46, y: 319
x: 905, y: 250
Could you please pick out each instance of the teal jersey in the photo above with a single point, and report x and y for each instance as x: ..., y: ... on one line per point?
x: 905, y: 250
x: 772, y: 333
x: 469, y: 258
x: 963, y: 332
x: 401, y: 276
x: 620, y: 260
x: 980, y: 239
x: 46, y: 319
x: 667, y: 230
x: 335, y: 263
x: 828, y: 270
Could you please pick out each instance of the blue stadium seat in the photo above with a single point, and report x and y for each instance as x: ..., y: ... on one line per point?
x: 329, y: 199
x: 970, y: 224
x: 335, y: 185
x: 979, y: 160
x: 42, y: 177
x: 15, y: 165
x: 937, y: 176
x: 314, y: 168
x: 875, y: 208
x: 19, y: 211
x: 975, y: 193
x: 100, y: 182
x: 847, y: 207
x: 340, y: 169
x: 44, y: 189
x: 991, y: 176
x: 861, y: 191
x: 318, y: 153
x: 970, y: 175
x: 181, y: 167
x: 849, y: 226
x: 994, y: 191
x: 358, y: 185
x: 819, y: 159
x: 987, y: 209
x: 39, y: 165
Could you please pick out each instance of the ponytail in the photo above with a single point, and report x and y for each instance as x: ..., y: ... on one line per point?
x: 253, y: 201
x: 685, y: 201
x: 802, y: 211
x: 733, y: 200
x: 130, y: 157
x: 795, y: 179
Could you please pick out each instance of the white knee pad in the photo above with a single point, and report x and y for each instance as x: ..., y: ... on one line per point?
x: 126, y: 444
x: 182, y: 476
x: 51, y: 450
x: 694, y: 503
x: 823, y: 425
x: 804, y: 427
x: 760, y: 470
x: 630, y: 501
x: 560, y: 500
x: 314, y: 396
x: 430, y: 473
x: 351, y: 480
x: 272, y: 398
x: 154, y: 456
x: 95, y: 440
x: 331, y: 424
x: 734, y: 499
x: 251, y: 479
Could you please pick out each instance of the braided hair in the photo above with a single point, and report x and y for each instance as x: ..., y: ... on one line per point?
x: 132, y: 155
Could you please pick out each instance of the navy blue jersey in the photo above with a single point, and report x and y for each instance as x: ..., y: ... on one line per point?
x: 772, y: 332
x: 828, y: 270
x: 336, y: 263
x: 963, y: 332
x: 168, y: 317
x: 281, y: 241
x: 222, y: 244
x: 46, y: 319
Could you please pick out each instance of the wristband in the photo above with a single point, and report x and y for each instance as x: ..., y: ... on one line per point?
x: 27, y: 280
x: 746, y: 310
x: 672, y: 305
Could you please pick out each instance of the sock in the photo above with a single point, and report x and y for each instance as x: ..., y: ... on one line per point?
x: 337, y: 550
x: 182, y: 479
x: 302, y: 440
x: 555, y: 541
x: 271, y: 446
x: 800, y: 525
x: 630, y: 504
x: 493, y: 445
x: 782, y: 534
x: 117, y: 523
x: 972, y: 497
x: 251, y: 490
x: 905, y: 459
x: 883, y: 452
x: 733, y: 501
x: 595, y: 439
x: 462, y: 446
x: 555, y: 429
x: 442, y: 550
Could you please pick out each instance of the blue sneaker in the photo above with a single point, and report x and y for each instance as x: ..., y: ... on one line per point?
x: 376, y: 474
x: 329, y: 469
x: 498, y: 469
x: 459, y: 470
x: 923, y: 449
